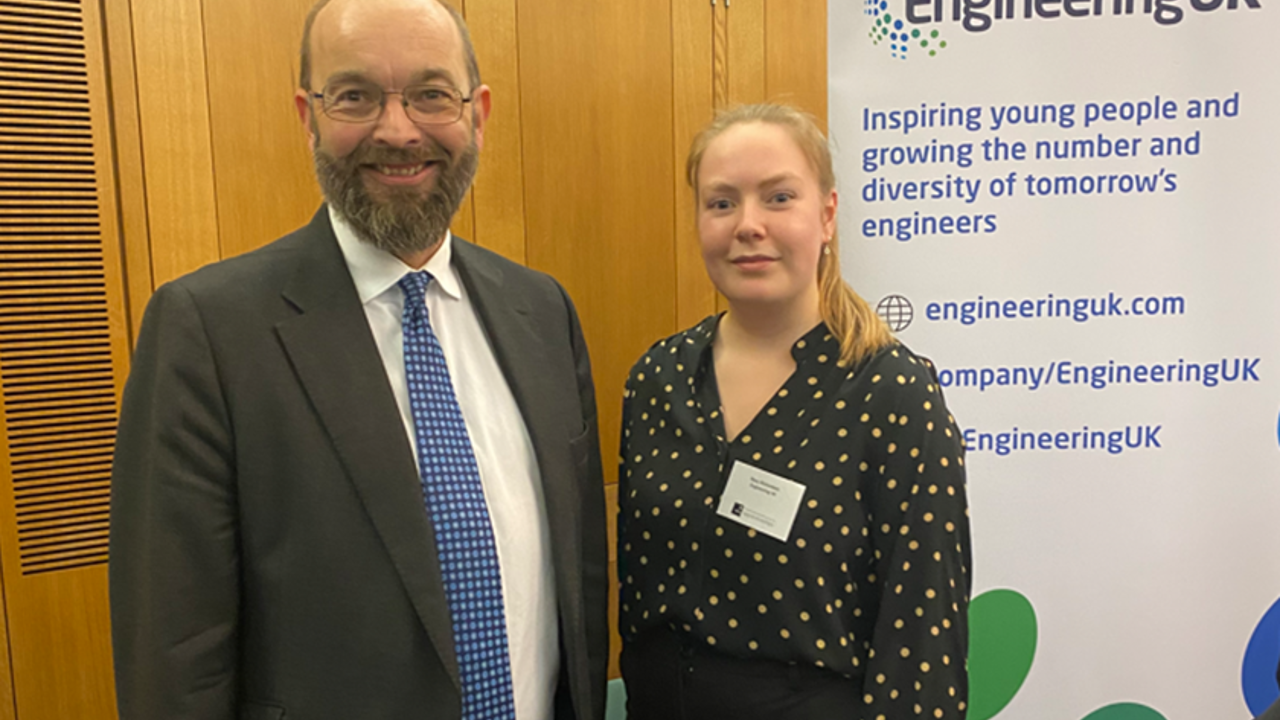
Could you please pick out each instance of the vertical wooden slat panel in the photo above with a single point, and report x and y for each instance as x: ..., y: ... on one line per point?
x: 746, y: 52
x: 127, y: 142
x: 265, y: 186
x: 464, y: 221
x: 719, y: 54
x: 596, y: 88
x: 693, y: 103
x: 173, y: 105
x: 796, y: 54
x: 63, y: 355
x: 498, y: 193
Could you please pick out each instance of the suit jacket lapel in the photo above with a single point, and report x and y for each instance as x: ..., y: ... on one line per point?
x: 334, y: 355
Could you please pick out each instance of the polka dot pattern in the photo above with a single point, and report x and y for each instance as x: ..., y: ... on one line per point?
x: 872, y: 583
x: 459, y: 515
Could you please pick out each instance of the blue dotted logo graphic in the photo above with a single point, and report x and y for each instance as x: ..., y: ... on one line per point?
x: 893, y: 31
x: 1258, y: 676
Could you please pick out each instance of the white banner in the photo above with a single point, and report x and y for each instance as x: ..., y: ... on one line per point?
x: 1073, y: 207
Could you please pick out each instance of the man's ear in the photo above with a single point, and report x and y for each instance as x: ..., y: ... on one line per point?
x: 481, y: 103
x: 302, y: 102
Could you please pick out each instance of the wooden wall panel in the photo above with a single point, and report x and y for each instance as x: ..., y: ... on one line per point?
x: 746, y: 52
x: 173, y: 105
x: 63, y: 357
x: 463, y: 224
x: 498, y: 193
x: 596, y: 82
x: 693, y: 106
x: 129, y: 172
x: 264, y: 183
x: 796, y: 54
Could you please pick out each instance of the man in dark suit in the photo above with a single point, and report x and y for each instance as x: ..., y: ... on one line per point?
x: 336, y: 499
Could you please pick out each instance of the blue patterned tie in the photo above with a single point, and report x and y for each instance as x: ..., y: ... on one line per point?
x: 456, y: 506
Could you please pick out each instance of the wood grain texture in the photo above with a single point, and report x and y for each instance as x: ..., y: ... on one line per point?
x: 746, y: 52
x: 62, y: 669
x: 263, y: 176
x: 173, y: 110
x: 63, y: 358
x: 498, y: 193
x: 720, y: 54
x: 464, y: 221
x: 596, y: 89
x: 693, y: 106
x: 796, y: 54
x: 130, y: 180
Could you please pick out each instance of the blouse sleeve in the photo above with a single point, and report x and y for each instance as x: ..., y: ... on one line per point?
x: 919, y: 526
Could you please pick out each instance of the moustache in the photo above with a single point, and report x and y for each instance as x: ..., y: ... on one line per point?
x: 372, y: 155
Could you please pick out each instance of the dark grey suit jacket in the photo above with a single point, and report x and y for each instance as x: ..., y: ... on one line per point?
x: 270, y: 553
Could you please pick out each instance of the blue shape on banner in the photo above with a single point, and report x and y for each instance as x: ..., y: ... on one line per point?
x: 1278, y: 428
x: 1258, y: 677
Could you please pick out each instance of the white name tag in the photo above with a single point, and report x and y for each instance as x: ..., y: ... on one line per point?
x: 760, y: 500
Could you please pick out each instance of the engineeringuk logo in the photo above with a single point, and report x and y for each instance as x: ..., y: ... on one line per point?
x: 914, y: 32
x: 900, y: 38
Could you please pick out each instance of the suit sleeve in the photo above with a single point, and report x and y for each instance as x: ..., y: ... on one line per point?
x: 920, y: 527
x: 174, y: 567
x: 595, y: 551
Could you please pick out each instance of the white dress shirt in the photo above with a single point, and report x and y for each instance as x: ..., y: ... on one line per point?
x: 499, y: 439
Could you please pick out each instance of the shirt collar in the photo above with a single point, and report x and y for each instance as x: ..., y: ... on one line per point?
x: 699, y: 338
x: 375, y: 271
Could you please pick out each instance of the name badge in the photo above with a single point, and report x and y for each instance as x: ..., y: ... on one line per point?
x: 760, y: 500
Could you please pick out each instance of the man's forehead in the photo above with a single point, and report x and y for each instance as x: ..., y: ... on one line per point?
x: 352, y: 36
x: 431, y: 75
x: 347, y: 11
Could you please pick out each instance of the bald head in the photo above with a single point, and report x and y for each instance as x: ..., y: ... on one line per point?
x: 427, y: 7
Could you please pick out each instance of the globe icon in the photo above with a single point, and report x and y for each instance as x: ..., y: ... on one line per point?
x: 896, y: 311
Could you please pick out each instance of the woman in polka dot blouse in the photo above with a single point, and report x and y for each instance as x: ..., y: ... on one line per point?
x: 793, y: 532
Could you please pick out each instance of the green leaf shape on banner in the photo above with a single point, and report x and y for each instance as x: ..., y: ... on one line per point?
x: 1125, y: 711
x: 1002, y: 646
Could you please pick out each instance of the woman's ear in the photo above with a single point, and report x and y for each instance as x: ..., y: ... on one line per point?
x: 829, y: 207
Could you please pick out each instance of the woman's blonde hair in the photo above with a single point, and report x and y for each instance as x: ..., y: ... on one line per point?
x: 850, y: 319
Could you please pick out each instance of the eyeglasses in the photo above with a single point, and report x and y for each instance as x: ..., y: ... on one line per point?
x: 360, y: 103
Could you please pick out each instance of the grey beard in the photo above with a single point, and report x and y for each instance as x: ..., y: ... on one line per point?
x: 406, y: 223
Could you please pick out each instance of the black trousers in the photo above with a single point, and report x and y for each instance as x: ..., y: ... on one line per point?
x: 671, y: 676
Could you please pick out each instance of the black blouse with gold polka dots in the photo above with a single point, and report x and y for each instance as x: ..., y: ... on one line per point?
x: 873, y: 581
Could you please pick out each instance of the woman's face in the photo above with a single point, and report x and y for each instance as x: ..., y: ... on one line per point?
x: 762, y: 219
